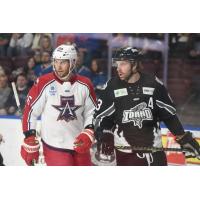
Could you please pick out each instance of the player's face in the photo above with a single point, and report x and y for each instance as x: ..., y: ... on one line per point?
x: 61, y: 67
x: 123, y: 69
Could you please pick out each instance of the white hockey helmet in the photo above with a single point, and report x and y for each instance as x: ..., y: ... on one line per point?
x: 66, y: 52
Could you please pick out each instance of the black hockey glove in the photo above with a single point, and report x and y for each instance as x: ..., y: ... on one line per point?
x: 187, y: 142
x: 105, y: 142
x: 1, y: 160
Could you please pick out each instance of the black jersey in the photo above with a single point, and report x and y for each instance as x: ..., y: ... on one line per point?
x: 133, y: 111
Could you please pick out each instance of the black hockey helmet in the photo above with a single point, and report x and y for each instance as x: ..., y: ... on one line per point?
x: 127, y: 53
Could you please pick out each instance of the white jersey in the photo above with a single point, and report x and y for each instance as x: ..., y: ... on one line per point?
x: 66, y: 108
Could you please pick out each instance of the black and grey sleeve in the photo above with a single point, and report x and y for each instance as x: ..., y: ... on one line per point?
x: 167, y: 111
x: 104, y: 112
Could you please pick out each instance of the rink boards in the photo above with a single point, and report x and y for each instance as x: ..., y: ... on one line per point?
x: 11, y: 129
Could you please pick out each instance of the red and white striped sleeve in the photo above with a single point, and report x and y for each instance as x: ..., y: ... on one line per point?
x: 35, y: 103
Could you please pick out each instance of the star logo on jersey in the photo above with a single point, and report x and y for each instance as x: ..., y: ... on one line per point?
x: 67, y: 108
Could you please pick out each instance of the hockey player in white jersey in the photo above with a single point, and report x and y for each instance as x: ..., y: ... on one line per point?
x: 66, y: 102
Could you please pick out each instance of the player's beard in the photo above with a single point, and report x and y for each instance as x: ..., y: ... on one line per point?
x: 127, y: 77
x: 63, y: 76
x: 124, y: 76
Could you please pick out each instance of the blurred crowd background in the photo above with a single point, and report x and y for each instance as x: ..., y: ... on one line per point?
x: 174, y: 58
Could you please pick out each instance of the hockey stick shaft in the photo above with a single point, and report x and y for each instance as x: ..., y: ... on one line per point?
x: 16, y: 97
x: 138, y: 148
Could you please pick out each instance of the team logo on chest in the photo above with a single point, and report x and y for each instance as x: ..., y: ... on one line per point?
x: 52, y: 90
x: 67, y: 108
x: 137, y: 114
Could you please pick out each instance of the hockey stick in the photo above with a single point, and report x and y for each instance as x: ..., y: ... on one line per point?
x: 151, y: 149
x: 16, y: 98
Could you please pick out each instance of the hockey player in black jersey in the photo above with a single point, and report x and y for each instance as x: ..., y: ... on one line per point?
x: 1, y: 158
x: 129, y: 113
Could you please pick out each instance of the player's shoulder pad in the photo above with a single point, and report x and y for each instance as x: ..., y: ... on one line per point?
x: 88, y: 84
x: 148, y: 79
x: 114, y: 82
x: 84, y: 80
x: 158, y: 80
x: 44, y: 79
x: 110, y: 84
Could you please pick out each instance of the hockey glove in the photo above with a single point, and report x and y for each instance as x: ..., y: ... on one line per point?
x: 105, y: 142
x: 1, y: 139
x: 30, y: 150
x: 84, y: 141
x: 187, y: 142
x: 1, y: 160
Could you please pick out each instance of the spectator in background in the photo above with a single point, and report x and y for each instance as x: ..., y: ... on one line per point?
x: 22, y: 90
x: 30, y: 63
x: 82, y: 69
x: 38, y: 37
x: 4, y: 41
x: 45, y: 66
x: 98, y: 76
x: 31, y: 77
x: 45, y: 44
x: 16, y: 72
x: 37, y: 57
x: 4, y: 91
x: 85, y: 71
x: 20, y: 44
x: 36, y: 42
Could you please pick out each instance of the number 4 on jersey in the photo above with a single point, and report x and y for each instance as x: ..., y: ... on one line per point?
x: 150, y: 104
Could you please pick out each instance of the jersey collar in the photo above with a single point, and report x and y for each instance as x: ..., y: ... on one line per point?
x: 71, y: 80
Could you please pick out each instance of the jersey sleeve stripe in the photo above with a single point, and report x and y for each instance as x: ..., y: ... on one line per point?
x: 167, y: 107
x: 29, y: 115
x: 109, y: 111
x: 91, y: 93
